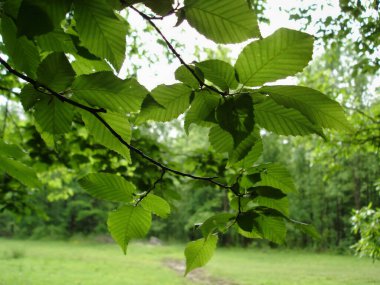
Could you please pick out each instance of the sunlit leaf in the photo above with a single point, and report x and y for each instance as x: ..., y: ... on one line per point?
x: 273, y: 175
x: 317, y: 107
x: 283, y: 121
x: 199, y: 252
x: 105, y: 90
x: 222, y: 21
x: 106, y: 186
x: 166, y: 103
x: 219, y: 72
x: 128, y: 222
x: 282, y: 54
x: 156, y: 205
x: 218, y: 221
x: 84, y: 66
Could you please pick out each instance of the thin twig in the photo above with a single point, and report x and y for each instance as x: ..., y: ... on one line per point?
x: 362, y: 113
x: 174, y: 51
x: 146, y: 193
x: 9, y: 90
x: 95, y: 113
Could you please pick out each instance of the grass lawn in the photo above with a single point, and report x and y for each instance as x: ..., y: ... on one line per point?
x: 74, y: 263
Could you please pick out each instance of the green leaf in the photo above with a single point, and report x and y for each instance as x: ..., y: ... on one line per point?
x: 162, y: 7
x: 48, y: 138
x: 25, y: 174
x: 11, y: 150
x: 57, y: 41
x: 269, y: 197
x: 184, y: 75
x: 246, y: 220
x: 199, y: 252
x: 246, y: 149
x: 219, y: 72
x: 30, y: 96
x: 166, y: 103
x: 282, y: 54
x: 272, y: 228
x: 105, y: 90
x: 221, y: 140
x: 23, y: 53
x: 273, y: 175
x: 101, y: 31
x: 251, y: 157
x: 235, y: 116
x: 109, y: 187
x: 83, y: 66
x: 255, y: 225
x: 56, y: 9
x: 317, y: 107
x: 53, y: 115
x: 37, y: 17
x: 222, y: 21
x: 118, y: 122
x: 202, y: 110
x: 283, y: 121
x: 11, y: 7
x: 218, y: 221
x: 32, y: 19
x: 157, y: 205
x: 128, y: 222
x: 55, y: 72
x: 251, y: 235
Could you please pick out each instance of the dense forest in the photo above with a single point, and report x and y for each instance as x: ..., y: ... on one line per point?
x: 337, y: 173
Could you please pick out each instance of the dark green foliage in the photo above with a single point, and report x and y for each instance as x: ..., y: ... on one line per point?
x: 75, y: 96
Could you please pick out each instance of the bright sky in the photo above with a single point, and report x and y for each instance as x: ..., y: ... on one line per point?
x: 162, y: 73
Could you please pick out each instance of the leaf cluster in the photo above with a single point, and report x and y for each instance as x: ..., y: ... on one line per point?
x: 70, y: 56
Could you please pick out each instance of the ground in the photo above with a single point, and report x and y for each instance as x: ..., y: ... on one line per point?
x: 89, y: 263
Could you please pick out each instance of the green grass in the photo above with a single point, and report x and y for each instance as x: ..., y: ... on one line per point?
x: 74, y: 263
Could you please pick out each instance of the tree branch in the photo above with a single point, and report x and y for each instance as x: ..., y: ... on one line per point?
x: 174, y: 51
x: 42, y: 88
x: 95, y: 113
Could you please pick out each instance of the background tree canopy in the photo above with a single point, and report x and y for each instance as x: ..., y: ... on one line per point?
x: 89, y: 127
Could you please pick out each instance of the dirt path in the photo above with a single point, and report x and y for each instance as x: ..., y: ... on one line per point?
x: 199, y: 276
